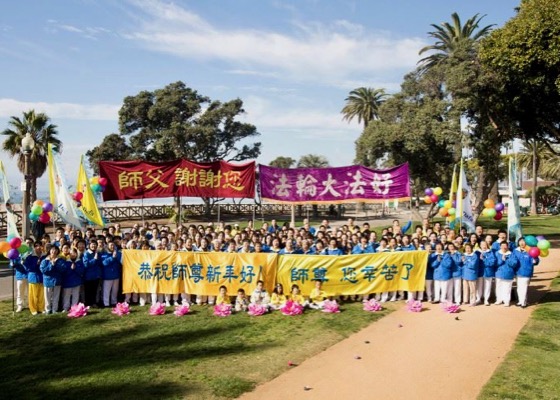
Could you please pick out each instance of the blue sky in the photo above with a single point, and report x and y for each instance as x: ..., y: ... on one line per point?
x: 291, y: 62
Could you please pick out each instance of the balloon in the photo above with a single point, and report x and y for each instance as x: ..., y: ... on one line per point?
x: 45, y: 218
x: 543, y: 244
x: 452, y: 224
x: 37, y: 210
x: 427, y: 200
x: 94, y: 180
x: 428, y: 192
x: 491, y: 212
x: 12, y: 254
x: 443, y: 212
x: 448, y: 204
x: 530, y: 240
x: 441, y: 203
x: 78, y: 196
x: 499, y: 206
x: 540, y: 237
x: 15, y: 243
x: 485, y: 212
x: 102, y: 189
x: 96, y: 188
x: 33, y: 217
x: 438, y: 191
x: 38, y: 203
x: 544, y: 253
x: 534, y: 252
x: 10, y: 237
x: 498, y: 215
x: 102, y: 181
x: 454, y: 204
x: 434, y: 198
x: 23, y: 248
x: 489, y: 203
x: 47, y: 207
x: 451, y: 211
x: 4, y: 247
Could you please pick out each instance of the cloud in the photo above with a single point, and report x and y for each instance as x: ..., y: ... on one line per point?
x: 314, y: 51
x: 102, y: 112
x: 88, y: 32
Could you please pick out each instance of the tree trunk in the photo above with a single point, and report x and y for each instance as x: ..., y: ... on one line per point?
x: 486, y: 184
x: 33, y: 190
x: 535, y: 170
x: 178, y: 214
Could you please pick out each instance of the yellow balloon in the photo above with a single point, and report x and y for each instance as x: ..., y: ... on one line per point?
x: 438, y: 191
x: 544, y: 253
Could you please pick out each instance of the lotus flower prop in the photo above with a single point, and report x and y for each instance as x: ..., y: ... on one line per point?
x: 78, y: 310
x: 157, y: 309
x: 372, y: 305
x: 121, y: 309
x: 222, y: 310
x: 291, y: 308
x: 331, y: 306
x: 182, y: 310
x: 414, y: 306
x: 256, y: 309
x: 450, y: 308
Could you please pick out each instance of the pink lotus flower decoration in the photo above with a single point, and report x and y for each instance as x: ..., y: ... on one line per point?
x: 222, y: 310
x: 256, y: 309
x: 182, y: 310
x: 331, y: 306
x: 372, y: 305
x: 450, y: 308
x: 291, y: 308
x: 414, y: 306
x: 121, y: 309
x: 78, y: 310
x: 157, y: 309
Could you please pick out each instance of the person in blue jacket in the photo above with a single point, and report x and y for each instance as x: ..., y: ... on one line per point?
x: 72, y: 280
x: 457, y: 273
x: 92, y: 266
x: 110, y: 274
x: 489, y: 265
x: 333, y: 249
x: 52, y: 268
x: 32, y: 265
x: 440, y: 262
x: 363, y: 247
x: 21, y: 283
x: 524, y: 271
x: 470, y: 274
x: 505, y: 273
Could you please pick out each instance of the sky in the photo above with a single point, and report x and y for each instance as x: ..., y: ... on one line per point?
x: 291, y: 62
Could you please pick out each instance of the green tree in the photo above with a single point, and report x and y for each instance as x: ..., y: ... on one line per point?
x: 363, y: 103
x: 282, y: 162
x: 113, y: 148
x: 43, y: 132
x: 313, y: 161
x: 530, y: 158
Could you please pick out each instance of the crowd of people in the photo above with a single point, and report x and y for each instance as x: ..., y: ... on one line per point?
x: 86, y: 265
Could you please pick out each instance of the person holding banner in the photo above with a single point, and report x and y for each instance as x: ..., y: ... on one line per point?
x: 440, y: 262
x: 524, y: 271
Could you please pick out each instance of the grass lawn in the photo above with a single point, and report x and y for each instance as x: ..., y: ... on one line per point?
x: 531, y: 369
x: 139, y: 356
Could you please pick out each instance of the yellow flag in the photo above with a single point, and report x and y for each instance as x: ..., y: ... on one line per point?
x: 50, y: 163
x: 89, y: 204
x: 453, y: 191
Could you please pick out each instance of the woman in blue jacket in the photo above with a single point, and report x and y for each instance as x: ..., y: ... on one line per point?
x: 456, y: 272
x: 111, y: 274
x: 441, y: 264
x: 489, y: 264
x: 524, y: 272
x: 72, y: 280
x: 32, y: 265
x: 504, y: 274
x: 470, y: 274
x: 92, y: 266
x: 52, y: 268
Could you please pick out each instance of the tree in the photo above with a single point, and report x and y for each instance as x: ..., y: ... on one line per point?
x: 530, y: 157
x: 112, y: 148
x: 282, y: 162
x: 43, y: 132
x: 363, y: 103
x: 313, y: 161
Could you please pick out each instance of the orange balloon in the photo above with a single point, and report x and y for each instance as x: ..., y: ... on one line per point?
x: 38, y: 203
x: 489, y: 203
x: 443, y: 212
x: 4, y: 247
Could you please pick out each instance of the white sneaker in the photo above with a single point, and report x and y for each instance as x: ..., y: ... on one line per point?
x: 19, y: 309
x: 167, y: 304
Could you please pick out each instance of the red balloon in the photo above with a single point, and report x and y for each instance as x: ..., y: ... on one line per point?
x: 434, y: 198
x: 45, y: 218
x: 498, y: 215
x: 78, y: 196
x: 15, y: 243
x: 534, y: 252
x: 102, y: 181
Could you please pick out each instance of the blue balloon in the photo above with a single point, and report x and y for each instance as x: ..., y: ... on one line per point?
x: 530, y: 240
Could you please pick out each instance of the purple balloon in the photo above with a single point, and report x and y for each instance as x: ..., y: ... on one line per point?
x: 13, y: 254
x: 540, y: 237
x: 499, y: 207
x: 428, y: 191
x: 454, y: 204
x: 47, y: 207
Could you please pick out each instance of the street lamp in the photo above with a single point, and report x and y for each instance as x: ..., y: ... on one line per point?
x: 27, y: 145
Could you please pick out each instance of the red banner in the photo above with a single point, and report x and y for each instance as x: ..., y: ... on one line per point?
x: 141, y: 179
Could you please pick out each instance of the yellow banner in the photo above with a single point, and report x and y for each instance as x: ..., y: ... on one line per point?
x: 172, y: 272
x: 89, y: 204
x: 355, y: 274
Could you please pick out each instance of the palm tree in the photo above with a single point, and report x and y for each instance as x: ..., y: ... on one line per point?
x: 313, y: 161
x: 551, y: 164
x: 43, y: 132
x: 282, y: 162
x: 363, y: 103
x: 531, y: 156
x: 452, y: 37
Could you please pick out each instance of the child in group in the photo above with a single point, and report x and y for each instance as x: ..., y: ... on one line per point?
x: 21, y: 283
x: 260, y: 295
x: 52, y: 268
x: 470, y: 275
x: 296, y: 296
x: 456, y: 273
x: 488, y: 260
x: 441, y: 264
x: 241, y: 302
x: 504, y: 274
x: 32, y: 265
x: 223, y: 297
x: 72, y: 280
x: 278, y: 298
x: 317, y: 296
x: 525, y: 267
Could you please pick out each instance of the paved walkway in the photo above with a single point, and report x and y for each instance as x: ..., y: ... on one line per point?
x: 428, y: 355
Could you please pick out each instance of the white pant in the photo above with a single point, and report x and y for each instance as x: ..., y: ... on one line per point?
x: 142, y: 300
x: 503, y: 291
x: 157, y: 298
x: 386, y: 295
x: 487, y: 289
x: 522, y: 286
x: 110, y: 291
x: 202, y: 300
x: 70, y: 297
x: 442, y: 289
x: 22, y: 291
x: 457, y: 286
x: 185, y: 298
x: 479, y: 290
x: 52, y: 295
x: 430, y: 289
x: 134, y: 297
x: 412, y: 296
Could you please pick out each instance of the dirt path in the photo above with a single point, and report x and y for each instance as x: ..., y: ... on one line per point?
x: 427, y: 355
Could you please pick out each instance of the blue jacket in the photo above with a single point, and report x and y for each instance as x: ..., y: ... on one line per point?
x: 21, y: 272
x: 489, y: 263
x: 112, y: 266
x: 456, y: 264
x: 73, y: 277
x: 357, y: 249
x: 496, y: 246
x: 32, y: 265
x: 410, y: 247
x: 442, y: 267
x: 92, y: 266
x: 332, y: 252
x: 525, y: 263
x: 507, y: 264
x: 470, y: 266
x: 52, y: 272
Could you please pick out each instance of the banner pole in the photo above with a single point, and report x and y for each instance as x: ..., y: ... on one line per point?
x: 219, y: 209
x: 142, y: 210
